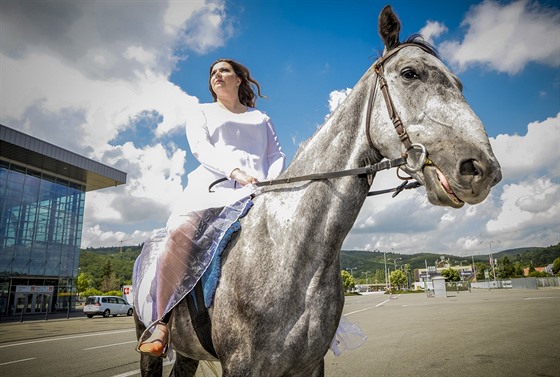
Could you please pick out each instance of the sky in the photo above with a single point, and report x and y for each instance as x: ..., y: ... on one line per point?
x: 116, y: 81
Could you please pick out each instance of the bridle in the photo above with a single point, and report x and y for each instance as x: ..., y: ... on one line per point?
x: 393, y: 114
x: 400, y: 162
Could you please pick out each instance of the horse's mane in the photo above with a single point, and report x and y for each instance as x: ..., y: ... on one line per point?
x: 416, y: 39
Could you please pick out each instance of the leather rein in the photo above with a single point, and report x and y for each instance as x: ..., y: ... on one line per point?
x: 369, y: 170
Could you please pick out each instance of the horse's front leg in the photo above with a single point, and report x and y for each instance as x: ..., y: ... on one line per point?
x: 183, y: 367
x: 149, y: 366
x: 319, y: 370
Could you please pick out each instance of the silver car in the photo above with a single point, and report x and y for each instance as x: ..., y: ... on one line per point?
x: 107, y: 306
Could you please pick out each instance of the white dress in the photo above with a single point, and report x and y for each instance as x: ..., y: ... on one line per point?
x: 223, y: 141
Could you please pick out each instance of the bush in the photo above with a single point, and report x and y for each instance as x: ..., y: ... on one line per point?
x: 113, y: 293
x: 91, y: 292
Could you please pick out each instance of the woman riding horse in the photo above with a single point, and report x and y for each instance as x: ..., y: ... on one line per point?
x: 230, y: 138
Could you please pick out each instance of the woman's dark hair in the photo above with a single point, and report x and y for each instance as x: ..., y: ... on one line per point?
x: 247, y: 95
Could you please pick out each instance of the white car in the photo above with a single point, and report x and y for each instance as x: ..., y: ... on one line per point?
x: 107, y: 306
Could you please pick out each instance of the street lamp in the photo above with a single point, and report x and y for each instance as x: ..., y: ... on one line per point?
x: 352, y: 269
x: 395, y: 261
x: 385, y: 259
x: 492, y: 261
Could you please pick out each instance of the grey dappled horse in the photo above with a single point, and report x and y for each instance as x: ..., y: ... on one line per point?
x: 280, y: 297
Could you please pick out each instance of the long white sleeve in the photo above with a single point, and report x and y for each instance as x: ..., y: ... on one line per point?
x: 219, y: 160
x: 276, y: 158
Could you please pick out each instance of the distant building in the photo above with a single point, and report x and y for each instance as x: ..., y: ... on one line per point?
x: 42, y: 197
x: 427, y: 274
x: 547, y: 269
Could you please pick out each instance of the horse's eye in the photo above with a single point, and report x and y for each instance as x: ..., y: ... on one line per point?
x: 409, y: 74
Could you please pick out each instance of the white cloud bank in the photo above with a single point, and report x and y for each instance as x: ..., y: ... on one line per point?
x: 95, y: 70
x: 505, y: 37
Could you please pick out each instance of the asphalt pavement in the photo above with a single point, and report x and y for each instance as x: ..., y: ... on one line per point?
x: 505, y: 333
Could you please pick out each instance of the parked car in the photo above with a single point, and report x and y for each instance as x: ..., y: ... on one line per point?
x: 107, y: 306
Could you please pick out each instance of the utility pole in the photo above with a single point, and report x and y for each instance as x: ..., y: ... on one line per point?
x: 385, y: 258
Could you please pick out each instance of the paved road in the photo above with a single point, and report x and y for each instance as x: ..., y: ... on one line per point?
x: 484, y: 333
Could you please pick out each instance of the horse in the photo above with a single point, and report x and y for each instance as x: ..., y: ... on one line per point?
x: 280, y: 298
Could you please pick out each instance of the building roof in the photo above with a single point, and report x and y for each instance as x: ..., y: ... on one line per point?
x: 33, y: 153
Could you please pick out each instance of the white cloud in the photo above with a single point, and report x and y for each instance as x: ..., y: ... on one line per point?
x: 100, y: 70
x: 506, y: 37
x: 432, y: 30
x: 336, y: 97
x: 530, y: 212
x: 209, y: 29
x: 531, y: 154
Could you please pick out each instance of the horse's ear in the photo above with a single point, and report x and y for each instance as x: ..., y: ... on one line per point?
x: 389, y: 28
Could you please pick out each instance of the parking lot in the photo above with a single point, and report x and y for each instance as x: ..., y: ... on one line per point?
x: 479, y: 333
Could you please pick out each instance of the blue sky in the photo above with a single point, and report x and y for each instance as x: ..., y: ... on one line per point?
x: 121, y: 77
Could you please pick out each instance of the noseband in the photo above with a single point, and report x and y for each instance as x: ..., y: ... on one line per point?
x: 409, y: 167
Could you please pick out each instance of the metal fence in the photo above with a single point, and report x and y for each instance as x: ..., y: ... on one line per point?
x: 521, y: 283
x: 549, y: 281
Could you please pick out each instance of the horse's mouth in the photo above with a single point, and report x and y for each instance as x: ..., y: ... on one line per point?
x: 439, y: 189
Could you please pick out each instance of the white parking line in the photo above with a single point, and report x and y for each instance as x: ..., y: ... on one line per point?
x: 17, y: 361
x: 63, y: 338
x: 539, y: 298
x: 368, y: 308
x: 108, y: 345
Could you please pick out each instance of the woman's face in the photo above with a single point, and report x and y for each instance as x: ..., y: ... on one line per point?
x: 224, y: 81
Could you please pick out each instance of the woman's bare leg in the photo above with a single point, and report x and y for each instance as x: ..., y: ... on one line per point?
x: 171, y: 270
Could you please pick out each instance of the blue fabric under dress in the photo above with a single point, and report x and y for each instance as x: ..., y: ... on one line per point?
x: 214, y: 227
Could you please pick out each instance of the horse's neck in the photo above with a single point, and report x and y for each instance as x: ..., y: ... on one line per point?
x: 325, y: 211
x: 341, y: 143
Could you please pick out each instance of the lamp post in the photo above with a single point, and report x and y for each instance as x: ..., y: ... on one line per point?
x: 352, y: 269
x: 395, y: 262
x: 385, y: 259
x: 492, y: 261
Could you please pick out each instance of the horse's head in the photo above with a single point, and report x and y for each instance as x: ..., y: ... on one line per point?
x: 460, y: 165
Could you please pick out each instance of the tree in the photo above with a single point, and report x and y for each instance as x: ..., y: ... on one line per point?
x: 348, y: 281
x: 379, y: 276
x: 480, y: 267
x: 556, y: 266
x: 397, y: 278
x: 109, y: 281
x: 518, y: 269
x: 451, y: 274
x: 83, y: 282
x: 505, y: 268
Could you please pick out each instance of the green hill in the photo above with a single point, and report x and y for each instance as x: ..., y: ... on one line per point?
x: 361, y: 261
x: 93, y: 261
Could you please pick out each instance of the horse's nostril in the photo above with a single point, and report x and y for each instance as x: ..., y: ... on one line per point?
x: 469, y: 167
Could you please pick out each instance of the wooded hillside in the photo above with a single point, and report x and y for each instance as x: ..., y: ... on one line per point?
x: 115, y: 263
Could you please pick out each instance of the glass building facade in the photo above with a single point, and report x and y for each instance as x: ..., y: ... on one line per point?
x: 42, y: 198
x: 40, y: 223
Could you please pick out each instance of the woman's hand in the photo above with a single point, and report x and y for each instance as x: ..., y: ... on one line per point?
x: 242, y: 178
